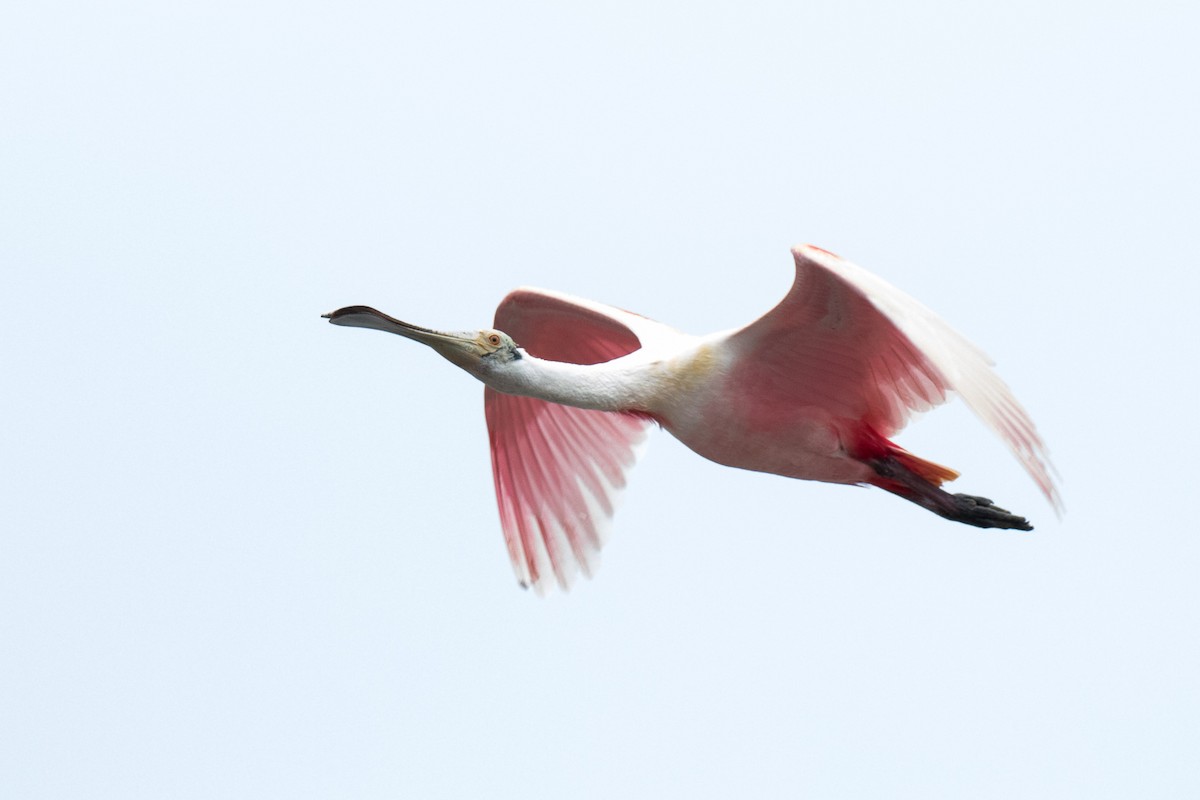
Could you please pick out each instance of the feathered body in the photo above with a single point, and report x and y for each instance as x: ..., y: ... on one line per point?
x: 812, y: 390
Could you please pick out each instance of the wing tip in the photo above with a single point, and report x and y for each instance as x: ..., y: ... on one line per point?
x: 812, y: 252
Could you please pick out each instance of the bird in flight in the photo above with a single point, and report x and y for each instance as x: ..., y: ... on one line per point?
x: 811, y: 390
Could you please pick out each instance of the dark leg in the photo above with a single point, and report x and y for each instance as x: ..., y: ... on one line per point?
x: 896, y: 478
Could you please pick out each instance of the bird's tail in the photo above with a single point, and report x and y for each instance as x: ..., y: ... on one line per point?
x: 928, y: 471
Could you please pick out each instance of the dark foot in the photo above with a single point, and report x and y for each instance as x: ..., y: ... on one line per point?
x: 983, y: 513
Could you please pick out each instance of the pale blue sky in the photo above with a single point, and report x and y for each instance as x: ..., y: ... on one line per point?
x: 246, y: 554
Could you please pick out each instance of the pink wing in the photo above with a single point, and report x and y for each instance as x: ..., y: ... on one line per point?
x: 559, y: 469
x: 849, y: 342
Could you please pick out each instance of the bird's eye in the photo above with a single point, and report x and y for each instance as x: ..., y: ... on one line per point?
x: 494, y: 340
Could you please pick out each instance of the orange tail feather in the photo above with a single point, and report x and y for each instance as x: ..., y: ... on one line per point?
x: 934, y: 473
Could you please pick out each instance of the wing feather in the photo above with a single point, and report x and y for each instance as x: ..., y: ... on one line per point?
x: 557, y: 469
x: 847, y: 341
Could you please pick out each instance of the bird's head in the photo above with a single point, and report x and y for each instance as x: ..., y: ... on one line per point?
x: 478, y: 352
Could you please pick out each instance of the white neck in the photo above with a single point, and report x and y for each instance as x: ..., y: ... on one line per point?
x: 625, y: 384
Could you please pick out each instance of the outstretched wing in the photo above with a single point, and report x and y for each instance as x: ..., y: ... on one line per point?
x: 558, y: 469
x: 851, y: 343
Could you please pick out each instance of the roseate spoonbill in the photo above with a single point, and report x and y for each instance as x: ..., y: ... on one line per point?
x: 811, y: 390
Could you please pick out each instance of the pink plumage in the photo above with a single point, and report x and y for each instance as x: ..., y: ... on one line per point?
x: 811, y: 390
x: 558, y: 469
